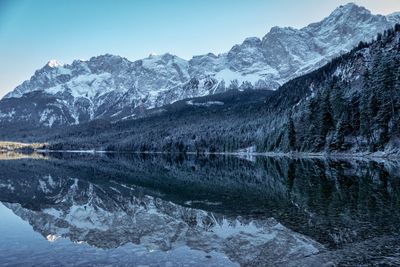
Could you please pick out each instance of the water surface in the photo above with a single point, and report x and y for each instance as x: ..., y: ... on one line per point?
x: 159, y: 210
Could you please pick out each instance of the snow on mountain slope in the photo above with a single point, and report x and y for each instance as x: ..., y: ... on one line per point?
x: 110, y: 86
x: 394, y: 17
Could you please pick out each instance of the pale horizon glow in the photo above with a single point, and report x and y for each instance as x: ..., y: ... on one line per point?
x: 32, y: 32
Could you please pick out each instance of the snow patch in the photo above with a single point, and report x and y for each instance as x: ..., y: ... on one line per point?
x: 54, y: 63
x: 205, y: 104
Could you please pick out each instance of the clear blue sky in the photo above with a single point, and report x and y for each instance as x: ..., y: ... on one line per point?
x: 35, y: 31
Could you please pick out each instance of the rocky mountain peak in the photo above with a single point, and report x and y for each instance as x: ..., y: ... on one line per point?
x: 110, y: 85
x: 252, y: 41
x: 53, y: 63
x: 350, y: 9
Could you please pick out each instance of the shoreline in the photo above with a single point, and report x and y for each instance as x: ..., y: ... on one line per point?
x: 358, y: 155
x: 26, y: 148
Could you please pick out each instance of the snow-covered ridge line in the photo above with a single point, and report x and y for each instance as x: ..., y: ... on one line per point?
x: 107, y: 85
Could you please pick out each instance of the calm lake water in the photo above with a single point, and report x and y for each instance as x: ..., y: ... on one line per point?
x: 158, y: 210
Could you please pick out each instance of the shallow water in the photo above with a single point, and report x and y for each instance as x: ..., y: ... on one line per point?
x: 158, y: 210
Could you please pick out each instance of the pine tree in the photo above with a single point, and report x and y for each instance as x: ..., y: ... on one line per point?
x: 365, y: 115
x: 291, y: 133
x: 384, y: 83
x: 354, y: 110
x: 396, y: 119
x: 326, y: 120
x: 337, y: 98
x: 342, y: 130
x: 313, y: 125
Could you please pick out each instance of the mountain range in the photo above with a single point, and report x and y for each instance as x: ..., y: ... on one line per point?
x: 351, y: 105
x: 113, y: 88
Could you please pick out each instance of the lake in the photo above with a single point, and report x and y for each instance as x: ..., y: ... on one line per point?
x: 64, y: 209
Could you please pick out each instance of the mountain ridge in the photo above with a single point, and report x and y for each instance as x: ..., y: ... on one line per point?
x: 110, y: 86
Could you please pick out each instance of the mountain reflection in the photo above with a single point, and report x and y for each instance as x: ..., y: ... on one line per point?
x: 270, y: 210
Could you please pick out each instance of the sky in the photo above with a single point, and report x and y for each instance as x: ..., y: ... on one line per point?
x: 34, y: 31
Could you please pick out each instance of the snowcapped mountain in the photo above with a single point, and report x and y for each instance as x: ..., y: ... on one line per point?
x: 113, y: 87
